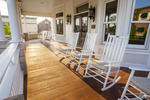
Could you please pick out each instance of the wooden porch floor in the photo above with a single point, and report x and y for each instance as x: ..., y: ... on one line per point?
x: 48, y: 79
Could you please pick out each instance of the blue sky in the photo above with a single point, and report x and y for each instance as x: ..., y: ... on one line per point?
x: 142, y: 3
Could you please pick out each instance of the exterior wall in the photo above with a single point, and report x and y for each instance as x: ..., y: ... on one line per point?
x: 132, y: 55
x: 45, y: 25
x: 59, y: 7
x: 31, y: 24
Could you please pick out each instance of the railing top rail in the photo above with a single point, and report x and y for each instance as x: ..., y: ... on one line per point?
x: 5, y: 58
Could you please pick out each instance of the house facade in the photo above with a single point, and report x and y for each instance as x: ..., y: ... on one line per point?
x: 29, y: 24
x: 44, y: 25
x: 111, y: 16
x: 103, y: 17
x: 116, y: 17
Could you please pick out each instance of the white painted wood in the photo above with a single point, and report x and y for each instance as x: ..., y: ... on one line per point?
x: 148, y: 75
x: 89, y: 42
x: 11, y: 76
x: 71, y: 45
x: 134, y: 67
x: 24, y: 24
x: 2, y: 34
x: 86, y: 51
x: 6, y: 57
x: 13, y: 20
x: 109, y: 61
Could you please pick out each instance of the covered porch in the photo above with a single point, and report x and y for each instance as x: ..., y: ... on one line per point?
x: 36, y: 71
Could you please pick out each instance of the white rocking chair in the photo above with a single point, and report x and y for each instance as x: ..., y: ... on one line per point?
x: 86, y: 51
x: 140, y: 84
x: 71, y: 46
x: 109, y: 62
x: 45, y: 35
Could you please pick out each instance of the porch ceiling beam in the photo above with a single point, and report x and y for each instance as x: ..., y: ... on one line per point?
x: 30, y: 13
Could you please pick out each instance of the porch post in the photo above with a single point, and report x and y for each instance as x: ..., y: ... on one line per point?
x: 2, y: 35
x: 24, y: 24
x: 13, y: 20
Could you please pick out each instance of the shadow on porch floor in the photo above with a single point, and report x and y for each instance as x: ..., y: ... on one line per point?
x: 48, y: 79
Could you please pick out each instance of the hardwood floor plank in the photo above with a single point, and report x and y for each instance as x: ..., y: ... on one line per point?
x: 48, y: 79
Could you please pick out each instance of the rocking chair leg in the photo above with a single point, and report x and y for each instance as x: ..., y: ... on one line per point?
x: 79, y: 63
x: 109, y: 86
x: 105, y: 83
x: 116, y: 75
x: 86, y: 69
x: 78, y: 68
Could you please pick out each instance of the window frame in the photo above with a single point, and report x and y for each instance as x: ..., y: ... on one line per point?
x: 136, y: 46
x: 58, y: 18
x: 112, y: 22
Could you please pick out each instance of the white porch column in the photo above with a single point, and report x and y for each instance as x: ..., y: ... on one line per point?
x: 24, y: 24
x: 13, y: 20
x: 2, y: 35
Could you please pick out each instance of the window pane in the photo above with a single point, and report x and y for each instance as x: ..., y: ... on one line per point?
x: 59, y: 26
x: 77, y: 25
x: 142, y: 10
x: 111, y: 11
x: 84, y: 24
x: 82, y: 8
x: 138, y: 33
x: 109, y: 29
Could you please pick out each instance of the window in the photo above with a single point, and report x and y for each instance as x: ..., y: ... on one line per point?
x: 82, y: 8
x: 144, y: 15
x: 110, y: 18
x: 140, y: 23
x: 59, y: 23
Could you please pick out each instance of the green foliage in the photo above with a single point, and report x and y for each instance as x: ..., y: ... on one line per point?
x: 136, y: 14
x: 133, y: 31
x: 7, y: 29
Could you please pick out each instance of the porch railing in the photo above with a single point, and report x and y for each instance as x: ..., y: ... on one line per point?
x: 11, y: 74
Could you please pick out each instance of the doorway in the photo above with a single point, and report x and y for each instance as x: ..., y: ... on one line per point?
x: 81, y: 26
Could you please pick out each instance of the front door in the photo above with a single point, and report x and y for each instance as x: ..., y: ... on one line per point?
x: 81, y: 26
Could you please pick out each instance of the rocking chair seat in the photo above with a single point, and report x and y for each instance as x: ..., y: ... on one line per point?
x: 78, y: 54
x: 142, y: 83
x: 103, y: 66
x: 63, y: 49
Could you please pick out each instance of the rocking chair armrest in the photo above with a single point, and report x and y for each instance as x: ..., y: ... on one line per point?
x: 87, y: 51
x: 98, y: 55
x: 140, y: 68
x: 78, y: 48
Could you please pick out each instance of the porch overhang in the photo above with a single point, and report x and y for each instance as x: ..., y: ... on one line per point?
x: 43, y: 8
x: 30, y: 13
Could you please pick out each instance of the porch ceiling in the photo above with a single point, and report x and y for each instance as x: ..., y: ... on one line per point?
x: 38, y: 7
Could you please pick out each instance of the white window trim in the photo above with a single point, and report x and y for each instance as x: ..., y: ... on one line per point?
x: 134, y: 46
x: 63, y: 26
x: 113, y: 22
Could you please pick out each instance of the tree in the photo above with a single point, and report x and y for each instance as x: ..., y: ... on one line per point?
x: 7, y: 29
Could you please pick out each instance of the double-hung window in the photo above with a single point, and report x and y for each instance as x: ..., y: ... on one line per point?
x: 110, y: 20
x: 59, y: 23
x: 140, y: 24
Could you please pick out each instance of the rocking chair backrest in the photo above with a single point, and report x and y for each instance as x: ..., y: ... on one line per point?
x: 89, y: 42
x: 73, y: 39
x: 48, y: 34
x: 43, y: 35
x: 114, y: 49
x: 53, y: 36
